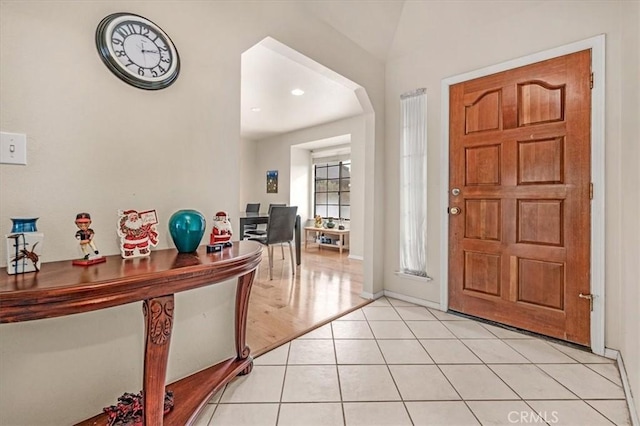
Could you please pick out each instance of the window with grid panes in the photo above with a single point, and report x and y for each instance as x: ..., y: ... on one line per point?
x: 332, y: 197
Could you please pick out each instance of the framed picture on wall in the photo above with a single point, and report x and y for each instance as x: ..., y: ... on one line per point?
x: 272, y: 182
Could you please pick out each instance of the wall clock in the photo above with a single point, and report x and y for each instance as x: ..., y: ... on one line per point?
x: 138, y: 51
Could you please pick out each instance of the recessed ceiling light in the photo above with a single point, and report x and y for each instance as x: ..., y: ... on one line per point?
x: 297, y: 92
x: 256, y: 109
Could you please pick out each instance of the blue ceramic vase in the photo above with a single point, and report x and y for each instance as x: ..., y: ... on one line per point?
x: 187, y: 228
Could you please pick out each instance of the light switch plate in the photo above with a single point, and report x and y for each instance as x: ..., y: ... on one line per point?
x: 13, y: 148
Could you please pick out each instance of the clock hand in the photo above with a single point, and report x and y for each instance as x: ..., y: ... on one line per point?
x: 144, y: 57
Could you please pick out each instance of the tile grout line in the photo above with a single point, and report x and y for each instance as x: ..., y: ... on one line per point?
x: 284, y: 380
x: 443, y: 322
x: 435, y: 363
x: 335, y: 355
x: 526, y: 401
x: 406, y: 409
x: 482, y: 362
x: 488, y: 366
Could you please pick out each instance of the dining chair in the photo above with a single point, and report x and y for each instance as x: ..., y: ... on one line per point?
x: 280, y: 230
x: 256, y: 232
x: 251, y: 208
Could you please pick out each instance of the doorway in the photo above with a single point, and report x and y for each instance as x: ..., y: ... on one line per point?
x: 493, y: 270
x: 279, y: 128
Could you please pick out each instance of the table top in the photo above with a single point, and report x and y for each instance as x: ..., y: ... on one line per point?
x: 243, y: 215
x: 332, y: 230
x: 60, y: 288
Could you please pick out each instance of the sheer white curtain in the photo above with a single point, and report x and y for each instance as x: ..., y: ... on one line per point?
x: 413, y: 183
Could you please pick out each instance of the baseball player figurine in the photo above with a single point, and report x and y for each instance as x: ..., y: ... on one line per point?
x: 85, y: 236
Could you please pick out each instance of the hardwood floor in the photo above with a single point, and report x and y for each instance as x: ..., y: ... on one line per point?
x: 326, y: 286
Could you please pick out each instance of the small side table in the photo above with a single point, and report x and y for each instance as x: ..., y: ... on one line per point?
x: 342, y: 234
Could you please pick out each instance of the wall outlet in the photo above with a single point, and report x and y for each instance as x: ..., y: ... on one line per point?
x: 13, y: 148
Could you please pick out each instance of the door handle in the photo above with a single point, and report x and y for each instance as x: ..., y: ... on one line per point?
x: 454, y: 210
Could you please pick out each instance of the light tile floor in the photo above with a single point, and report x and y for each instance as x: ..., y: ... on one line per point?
x: 395, y: 363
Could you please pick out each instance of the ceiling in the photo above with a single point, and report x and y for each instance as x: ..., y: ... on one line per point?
x: 271, y: 70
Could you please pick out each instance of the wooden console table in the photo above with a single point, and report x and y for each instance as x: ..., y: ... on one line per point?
x: 63, y: 289
x: 340, y: 233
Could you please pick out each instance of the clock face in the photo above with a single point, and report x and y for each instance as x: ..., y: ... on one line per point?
x: 138, y: 51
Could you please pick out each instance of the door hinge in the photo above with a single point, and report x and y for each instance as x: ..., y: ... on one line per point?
x: 591, y: 191
x: 589, y: 297
x: 591, y: 81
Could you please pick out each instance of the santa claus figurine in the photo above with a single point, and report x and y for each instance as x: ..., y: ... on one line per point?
x: 221, y: 233
x: 137, y: 231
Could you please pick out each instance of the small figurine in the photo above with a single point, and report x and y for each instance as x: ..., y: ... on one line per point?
x: 24, y: 246
x: 318, y: 219
x: 28, y: 254
x: 221, y: 233
x: 129, y: 409
x: 17, y: 263
x: 85, y: 236
x: 137, y: 231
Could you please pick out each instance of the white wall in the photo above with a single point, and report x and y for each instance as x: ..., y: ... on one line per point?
x: 439, y: 39
x: 248, y: 176
x: 300, y: 182
x: 96, y: 144
x: 623, y: 310
x: 275, y: 153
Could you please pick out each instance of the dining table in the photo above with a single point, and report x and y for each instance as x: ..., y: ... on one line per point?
x: 253, y: 218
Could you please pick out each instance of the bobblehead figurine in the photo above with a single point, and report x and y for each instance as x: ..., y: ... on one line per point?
x: 85, y: 236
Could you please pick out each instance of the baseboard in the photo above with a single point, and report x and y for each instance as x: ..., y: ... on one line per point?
x: 367, y: 295
x: 633, y: 412
x: 354, y: 257
x: 611, y: 353
x: 421, y: 302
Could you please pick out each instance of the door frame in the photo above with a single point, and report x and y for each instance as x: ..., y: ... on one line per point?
x: 597, y: 46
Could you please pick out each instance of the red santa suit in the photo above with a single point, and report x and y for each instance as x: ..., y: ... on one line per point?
x: 221, y: 233
x: 135, y: 234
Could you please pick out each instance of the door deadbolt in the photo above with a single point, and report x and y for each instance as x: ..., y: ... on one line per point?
x: 454, y: 210
x: 455, y: 191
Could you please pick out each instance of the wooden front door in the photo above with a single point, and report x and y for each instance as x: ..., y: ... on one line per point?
x: 519, y: 226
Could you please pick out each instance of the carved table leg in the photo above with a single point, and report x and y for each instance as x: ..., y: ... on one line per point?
x: 158, y: 316
x: 243, y: 292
